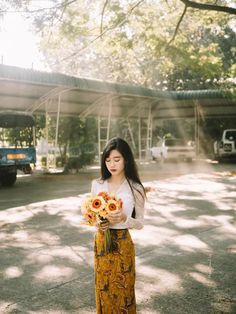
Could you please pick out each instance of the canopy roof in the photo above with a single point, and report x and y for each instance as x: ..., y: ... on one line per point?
x: 34, y: 91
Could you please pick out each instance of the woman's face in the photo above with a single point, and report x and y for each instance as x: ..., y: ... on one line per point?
x: 115, y: 163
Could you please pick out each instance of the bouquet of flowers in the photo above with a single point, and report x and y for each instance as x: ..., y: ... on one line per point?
x: 96, y: 209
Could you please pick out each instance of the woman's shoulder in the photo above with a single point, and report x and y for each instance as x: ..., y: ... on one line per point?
x: 138, y: 189
x: 136, y: 185
x: 97, y: 182
x: 97, y: 186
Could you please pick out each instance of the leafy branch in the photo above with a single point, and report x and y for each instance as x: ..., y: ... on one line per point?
x: 118, y: 24
x: 103, y: 11
x: 200, y: 6
x: 177, y: 27
x: 62, y: 5
x: 209, y: 7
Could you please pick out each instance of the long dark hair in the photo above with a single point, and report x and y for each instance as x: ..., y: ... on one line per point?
x: 131, y: 171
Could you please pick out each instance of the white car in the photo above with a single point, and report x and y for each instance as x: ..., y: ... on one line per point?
x: 174, y: 149
x: 225, y: 148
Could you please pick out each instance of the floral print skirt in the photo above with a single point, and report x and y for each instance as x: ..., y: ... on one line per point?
x: 115, y: 274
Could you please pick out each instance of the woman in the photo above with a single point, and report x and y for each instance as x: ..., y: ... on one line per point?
x: 115, y: 271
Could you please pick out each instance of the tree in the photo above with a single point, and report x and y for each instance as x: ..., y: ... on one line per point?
x: 76, y: 140
x: 209, y: 6
x: 136, y: 40
x: 170, y: 46
x: 138, y: 51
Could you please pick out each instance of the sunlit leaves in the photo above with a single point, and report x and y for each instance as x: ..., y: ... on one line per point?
x: 127, y: 41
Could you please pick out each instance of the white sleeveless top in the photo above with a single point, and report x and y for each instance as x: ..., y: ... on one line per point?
x: 129, y: 202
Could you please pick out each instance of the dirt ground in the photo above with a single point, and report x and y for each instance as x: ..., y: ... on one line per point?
x: 185, y: 255
x: 43, y: 186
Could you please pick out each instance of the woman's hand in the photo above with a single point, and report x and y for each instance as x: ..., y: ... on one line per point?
x: 103, y: 225
x: 117, y: 217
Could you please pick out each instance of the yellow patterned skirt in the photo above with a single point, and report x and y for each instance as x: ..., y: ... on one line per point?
x: 115, y: 274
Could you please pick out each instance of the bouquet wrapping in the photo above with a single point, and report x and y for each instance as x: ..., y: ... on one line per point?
x: 96, y: 209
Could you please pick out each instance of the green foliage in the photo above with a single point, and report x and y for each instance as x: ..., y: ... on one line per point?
x: 175, y: 128
x: 136, y: 48
x: 76, y: 140
x: 44, y: 161
x: 134, y: 45
x: 79, y: 162
x: 20, y: 137
x: 17, y: 137
x: 60, y: 162
x: 40, y: 122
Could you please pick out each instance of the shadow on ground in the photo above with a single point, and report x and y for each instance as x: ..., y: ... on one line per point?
x: 185, y: 254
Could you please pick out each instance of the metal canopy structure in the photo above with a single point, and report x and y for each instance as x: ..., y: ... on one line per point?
x: 33, y: 91
x: 55, y: 94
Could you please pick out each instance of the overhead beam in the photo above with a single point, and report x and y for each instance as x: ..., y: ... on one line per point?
x: 50, y: 95
x: 90, y: 109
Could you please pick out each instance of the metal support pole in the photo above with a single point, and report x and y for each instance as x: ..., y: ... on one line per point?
x: 47, y: 135
x: 104, y: 138
x: 58, y: 117
x: 34, y: 136
x: 99, y: 138
x: 196, y: 115
x: 109, y: 119
x: 56, y: 131
x: 131, y: 133
x: 149, y: 131
x: 139, y: 139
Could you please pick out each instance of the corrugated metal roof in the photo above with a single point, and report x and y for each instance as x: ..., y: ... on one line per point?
x: 197, y: 94
x: 32, y: 76
x: 29, y: 90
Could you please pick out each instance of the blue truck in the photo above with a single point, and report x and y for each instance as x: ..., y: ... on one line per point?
x: 17, y: 145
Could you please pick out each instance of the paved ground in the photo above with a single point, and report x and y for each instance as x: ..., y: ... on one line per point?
x: 186, y: 254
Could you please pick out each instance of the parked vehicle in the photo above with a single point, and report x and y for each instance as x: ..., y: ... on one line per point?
x: 225, y: 148
x: 17, y: 149
x: 174, y: 149
x: 159, y: 152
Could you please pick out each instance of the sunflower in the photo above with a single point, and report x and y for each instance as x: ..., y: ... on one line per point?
x: 97, y: 204
x: 86, y: 205
x: 104, y: 195
x: 112, y: 206
x: 90, y: 218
